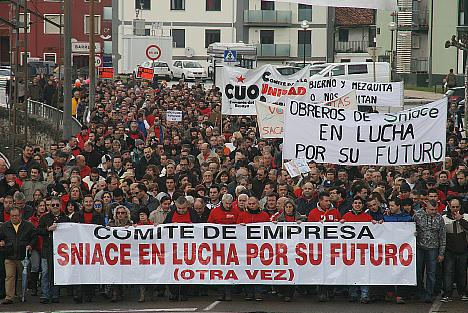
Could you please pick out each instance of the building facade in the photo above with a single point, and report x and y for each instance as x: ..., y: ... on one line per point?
x: 274, y: 27
x: 417, y: 41
x: 45, y: 40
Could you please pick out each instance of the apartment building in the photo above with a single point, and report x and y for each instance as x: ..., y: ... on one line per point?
x: 44, y: 39
x: 417, y: 39
x: 274, y: 27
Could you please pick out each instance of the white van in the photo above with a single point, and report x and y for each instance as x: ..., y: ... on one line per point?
x: 357, y: 71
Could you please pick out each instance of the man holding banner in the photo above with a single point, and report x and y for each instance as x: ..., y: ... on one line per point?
x: 327, y: 144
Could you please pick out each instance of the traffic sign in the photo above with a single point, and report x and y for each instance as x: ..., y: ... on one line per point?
x: 145, y: 72
x: 230, y: 56
x: 105, y: 72
x: 153, y: 52
x: 97, y: 61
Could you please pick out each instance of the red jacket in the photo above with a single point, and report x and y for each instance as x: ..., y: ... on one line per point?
x: 221, y: 216
x: 85, y: 171
x: 248, y: 217
x: 362, y: 217
x: 318, y: 215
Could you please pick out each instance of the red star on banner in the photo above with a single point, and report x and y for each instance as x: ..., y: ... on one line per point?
x: 240, y: 79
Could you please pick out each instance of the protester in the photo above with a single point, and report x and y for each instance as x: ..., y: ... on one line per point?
x: 48, y: 223
x: 17, y: 237
x: 456, y: 252
x: 430, y: 244
x: 357, y: 214
x: 129, y: 155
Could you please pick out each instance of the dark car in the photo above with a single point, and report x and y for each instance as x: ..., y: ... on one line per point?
x: 455, y: 94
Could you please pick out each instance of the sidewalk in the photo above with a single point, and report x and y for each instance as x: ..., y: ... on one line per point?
x: 415, y: 94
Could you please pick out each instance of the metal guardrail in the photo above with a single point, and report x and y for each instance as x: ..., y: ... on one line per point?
x: 51, y: 115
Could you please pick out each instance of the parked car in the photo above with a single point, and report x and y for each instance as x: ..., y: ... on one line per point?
x: 161, y: 69
x: 5, y: 75
x: 455, y: 94
x: 301, y: 63
x: 357, y: 71
x: 187, y: 69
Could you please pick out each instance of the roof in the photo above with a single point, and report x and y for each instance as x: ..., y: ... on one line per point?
x: 354, y: 17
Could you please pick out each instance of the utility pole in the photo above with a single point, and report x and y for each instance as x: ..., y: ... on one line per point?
x: 67, y: 96
x: 60, y: 62
x: 92, y: 57
x: 462, y: 44
x: 26, y: 70
x: 16, y: 71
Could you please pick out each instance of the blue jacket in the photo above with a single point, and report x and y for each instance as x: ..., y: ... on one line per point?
x: 400, y: 217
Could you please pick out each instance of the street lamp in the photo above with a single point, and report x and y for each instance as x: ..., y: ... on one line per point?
x: 462, y: 45
x: 305, y: 26
x: 393, y: 27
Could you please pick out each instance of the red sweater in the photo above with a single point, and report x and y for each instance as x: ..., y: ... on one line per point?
x: 181, y: 218
x: 317, y: 215
x: 248, y: 217
x: 362, y: 217
x: 220, y: 216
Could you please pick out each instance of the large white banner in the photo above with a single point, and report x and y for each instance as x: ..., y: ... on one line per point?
x: 270, y: 117
x: 390, y: 5
x: 241, y: 87
x: 370, y: 94
x: 329, y: 135
x: 267, y: 253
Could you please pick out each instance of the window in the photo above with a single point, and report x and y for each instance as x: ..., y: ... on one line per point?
x: 343, y: 35
x: 338, y: 71
x: 22, y: 56
x: 50, y: 28
x: 143, y: 4
x: 212, y: 35
x: 213, y: 5
x: 177, y: 5
x: 178, y: 38
x: 108, y: 47
x: 268, y: 5
x: 304, y: 12
x: 107, y: 13
x: 97, y: 24
x: 267, y: 37
x: 21, y: 22
x: 304, y: 37
x: 357, y: 69
x: 178, y: 64
x: 50, y: 57
x: 416, y: 42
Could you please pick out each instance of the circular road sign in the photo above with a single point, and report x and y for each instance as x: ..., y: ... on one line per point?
x: 97, y: 61
x: 153, y: 52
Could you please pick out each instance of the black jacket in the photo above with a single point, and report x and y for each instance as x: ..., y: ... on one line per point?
x: 78, y: 217
x: 45, y: 222
x: 15, y: 243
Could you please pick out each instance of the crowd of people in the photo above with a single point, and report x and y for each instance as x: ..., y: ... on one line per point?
x: 130, y: 166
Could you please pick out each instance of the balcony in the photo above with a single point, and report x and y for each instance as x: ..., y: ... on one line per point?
x: 421, y: 20
x: 351, y: 46
x: 267, y: 17
x: 419, y: 65
x: 271, y: 51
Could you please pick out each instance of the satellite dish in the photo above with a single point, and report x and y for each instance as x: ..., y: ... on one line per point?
x: 189, y: 52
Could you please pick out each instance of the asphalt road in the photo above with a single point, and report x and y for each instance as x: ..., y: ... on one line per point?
x: 210, y: 304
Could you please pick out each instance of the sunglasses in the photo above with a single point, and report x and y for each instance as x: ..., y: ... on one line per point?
x: 55, y: 205
x: 121, y: 212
